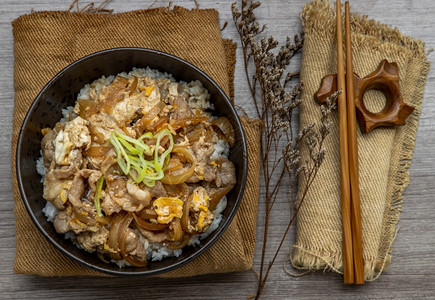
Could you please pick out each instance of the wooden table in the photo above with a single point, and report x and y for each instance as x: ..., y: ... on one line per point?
x: 412, y: 271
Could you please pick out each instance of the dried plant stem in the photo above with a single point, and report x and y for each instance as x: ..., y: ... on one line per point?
x: 308, y: 181
x: 263, y: 281
x: 275, y: 101
x: 245, y: 63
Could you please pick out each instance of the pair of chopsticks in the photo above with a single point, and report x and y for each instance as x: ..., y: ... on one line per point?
x: 353, y: 267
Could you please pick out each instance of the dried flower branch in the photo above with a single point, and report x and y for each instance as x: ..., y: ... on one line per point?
x: 275, y: 104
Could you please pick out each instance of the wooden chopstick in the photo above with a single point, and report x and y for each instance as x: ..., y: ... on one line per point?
x: 353, y: 157
x: 344, y: 157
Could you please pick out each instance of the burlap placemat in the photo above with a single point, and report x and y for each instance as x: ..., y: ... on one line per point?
x: 46, y: 42
x: 384, y: 154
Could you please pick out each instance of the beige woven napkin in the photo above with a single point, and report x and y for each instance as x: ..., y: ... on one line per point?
x: 384, y: 154
x: 46, y: 42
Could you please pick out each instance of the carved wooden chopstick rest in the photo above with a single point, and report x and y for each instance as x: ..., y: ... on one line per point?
x: 386, y: 79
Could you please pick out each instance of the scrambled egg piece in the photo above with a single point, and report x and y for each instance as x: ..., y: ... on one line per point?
x: 125, y: 110
x: 199, y: 206
x: 148, y: 93
x: 62, y: 147
x: 168, y: 208
x: 199, y: 171
x: 79, y: 132
x: 147, y: 89
x: 75, y: 135
x: 44, y: 131
x: 144, y: 98
x: 173, y: 89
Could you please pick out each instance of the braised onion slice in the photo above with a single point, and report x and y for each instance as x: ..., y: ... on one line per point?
x: 198, y: 132
x: 113, y: 235
x: 122, y: 238
x: 223, y: 125
x: 185, y: 221
x: 148, y: 225
x: 217, y: 196
x: 179, y: 245
x: 101, y: 257
x: 184, y: 122
x: 177, y: 190
x: 85, y: 107
x: 176, y: 234
x: 132, y: 86
x: 174, y: 163
x: 159, y: 124
x: 96, y: 151
x: 103, y: 220
x: 113, y: 96
x: 83, y: 216
x: 122, y: 231
x: 96, y: 135
x: 177, y: 179
x: 135, y: 262
x: 147, y: 213
x: 144, y: 122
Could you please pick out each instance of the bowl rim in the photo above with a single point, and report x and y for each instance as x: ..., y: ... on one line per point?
x: 218, y: 231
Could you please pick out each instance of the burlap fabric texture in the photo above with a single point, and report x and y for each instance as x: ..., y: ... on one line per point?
x: 384, y: 154
x: 46, y: 42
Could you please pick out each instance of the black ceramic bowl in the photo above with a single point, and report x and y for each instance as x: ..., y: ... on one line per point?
x: 62, y: 91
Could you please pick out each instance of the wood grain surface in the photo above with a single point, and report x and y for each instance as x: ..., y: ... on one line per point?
x: 411, y: 274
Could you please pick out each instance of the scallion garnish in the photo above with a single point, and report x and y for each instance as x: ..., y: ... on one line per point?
x: 97, y: 203
x: 131, y: 156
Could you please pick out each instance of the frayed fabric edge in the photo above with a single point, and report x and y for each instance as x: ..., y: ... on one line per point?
x: 318, y: 18
x: 310, y: 260
x: 104, y: 11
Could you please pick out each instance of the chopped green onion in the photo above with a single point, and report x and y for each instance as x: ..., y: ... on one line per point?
x: 139, y: 145
x: 130, y: 156
x: 129, y: 147
x: 149, y: 183
x: 159, y: 161
x: 123, y: 160
x: 97, y: 203
x: 148, y: 135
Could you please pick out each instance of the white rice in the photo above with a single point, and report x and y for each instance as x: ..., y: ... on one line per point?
x: 155, y: 74
x: 120, y: 263
x: 156, y: 251
x: 40, y: 168
x: 221, y: 148
x: 220, y: 207
x: 97, y: 84
x: 70, y: 235
x: 50, y: 211
x: 199, y: 100
x: 66, y: 113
